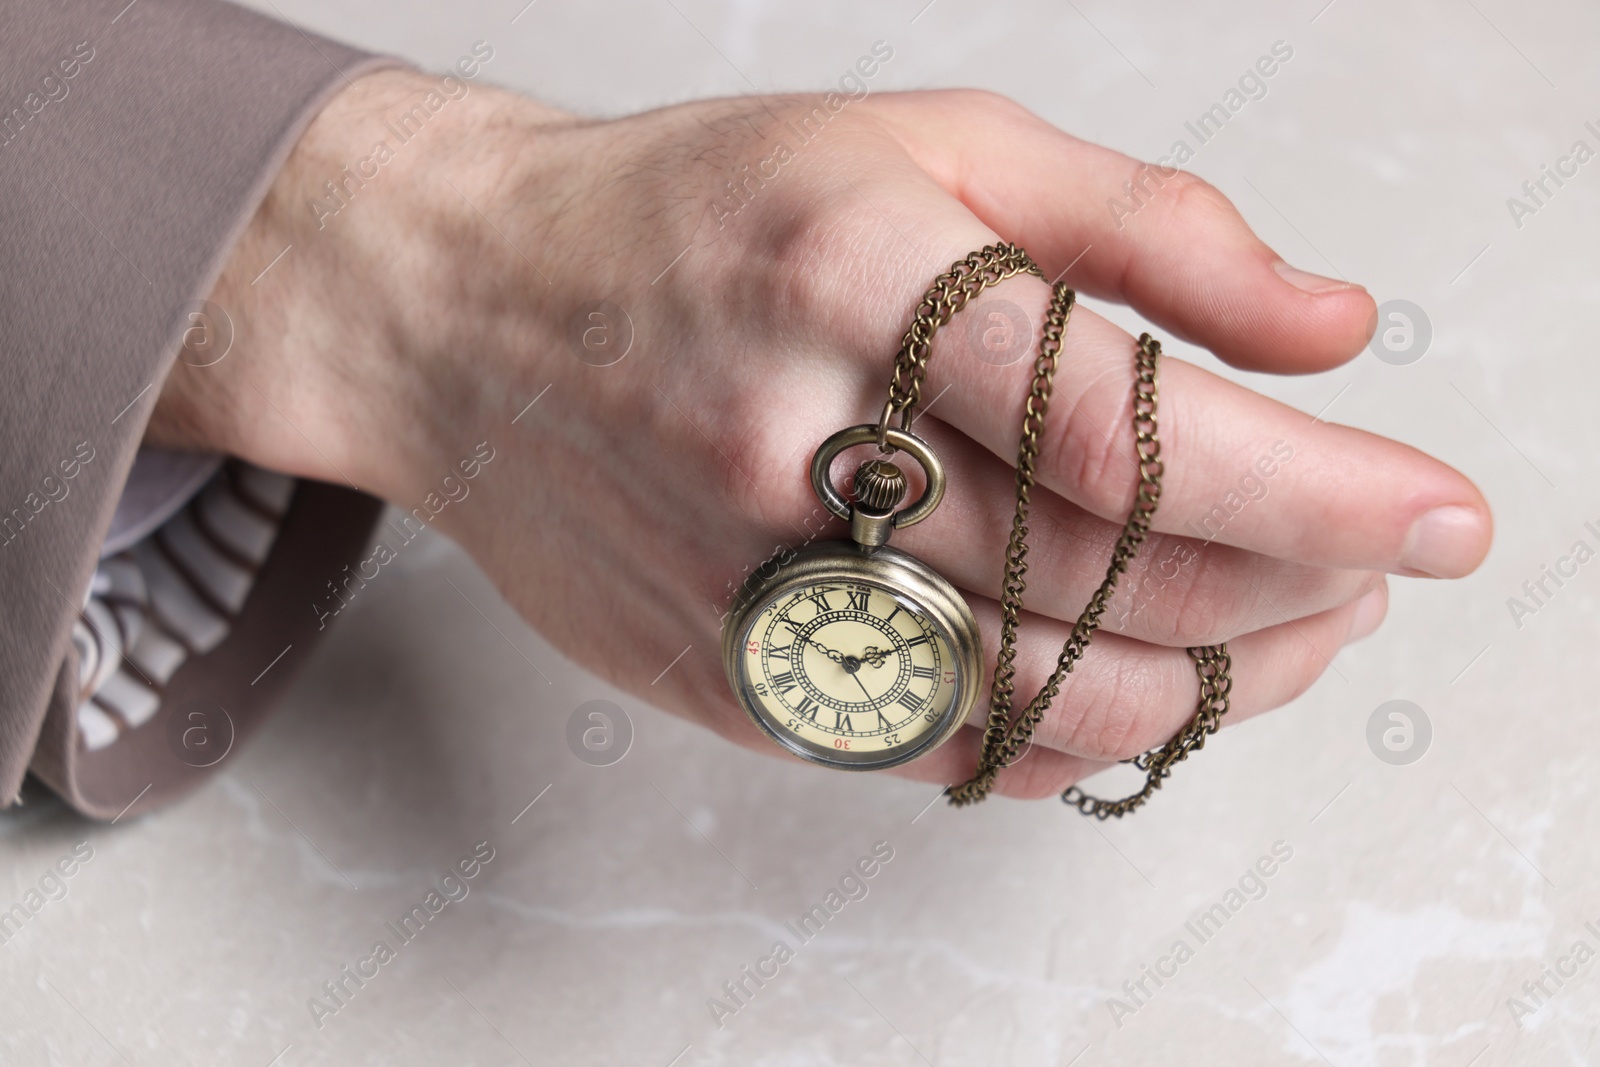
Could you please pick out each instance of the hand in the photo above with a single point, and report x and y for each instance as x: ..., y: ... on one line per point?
x: 624, y: 508
x: 856, y: 678
x: 837, y: 657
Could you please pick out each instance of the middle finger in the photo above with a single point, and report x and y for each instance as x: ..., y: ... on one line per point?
x: 1178, y: 591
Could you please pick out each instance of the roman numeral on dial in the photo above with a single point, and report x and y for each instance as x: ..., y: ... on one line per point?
x: 858, y: 599
x: 782, y: 683
x: 910, y: 701
x: 820, y: 602
x: 807, y: 708
x: 923, y: 672
x: 841, y: 722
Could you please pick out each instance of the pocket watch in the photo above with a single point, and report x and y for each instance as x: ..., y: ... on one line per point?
x: 853, y: 654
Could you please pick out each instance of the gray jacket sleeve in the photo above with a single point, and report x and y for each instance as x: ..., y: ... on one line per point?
x: 135, y: 144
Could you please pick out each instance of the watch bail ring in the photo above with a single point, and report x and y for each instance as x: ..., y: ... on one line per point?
x: 900, y: 440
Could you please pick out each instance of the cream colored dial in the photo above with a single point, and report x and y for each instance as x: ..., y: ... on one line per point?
x: 848, y: 670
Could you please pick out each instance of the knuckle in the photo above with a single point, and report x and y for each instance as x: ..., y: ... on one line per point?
x: 1033, y: 779
x: 1173, y: 197
x: 987, y: 103
x: 1189, y: 195
x: 1055, y: 551
x: 763, y: 482
x: 777, y: 216
x: 1095, y: 458
x: 1113, y: 723
x: 1162, y: 569
x: 793, y: 266
x: 800, y: 263
x: 1211, y: 606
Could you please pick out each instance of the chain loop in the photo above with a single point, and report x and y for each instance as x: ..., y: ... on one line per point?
x: 950, y: 292
x: 1007, y: 735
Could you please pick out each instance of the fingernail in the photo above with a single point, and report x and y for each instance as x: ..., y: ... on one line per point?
x: 1443, y: 543
x: 1370, y: 611
x: 1307, y: 282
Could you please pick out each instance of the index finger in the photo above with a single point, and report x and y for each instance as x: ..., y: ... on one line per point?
x: 1240, y: 468
x: 1156, y: 238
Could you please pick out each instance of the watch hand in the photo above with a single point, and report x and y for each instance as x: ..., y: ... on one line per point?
x: 837, y: 657
x: 864, y: 692
x: 874, y: 655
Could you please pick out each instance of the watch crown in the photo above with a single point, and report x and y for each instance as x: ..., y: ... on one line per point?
x: 879, y: 485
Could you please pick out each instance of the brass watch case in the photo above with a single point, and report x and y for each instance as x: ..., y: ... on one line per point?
x: 898, y: 574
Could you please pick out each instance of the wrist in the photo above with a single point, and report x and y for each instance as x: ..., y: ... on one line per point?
x: 343, y: 296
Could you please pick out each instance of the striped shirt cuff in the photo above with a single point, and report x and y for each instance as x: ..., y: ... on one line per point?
x: 171, y: 595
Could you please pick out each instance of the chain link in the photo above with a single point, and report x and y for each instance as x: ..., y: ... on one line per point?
x: 1007, y: 735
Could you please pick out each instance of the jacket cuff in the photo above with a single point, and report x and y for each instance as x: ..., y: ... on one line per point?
x: 135, y: 146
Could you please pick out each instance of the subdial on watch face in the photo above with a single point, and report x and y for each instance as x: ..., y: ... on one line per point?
x: 848, y: 667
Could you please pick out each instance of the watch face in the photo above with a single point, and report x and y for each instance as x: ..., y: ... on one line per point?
x: 849, y: 672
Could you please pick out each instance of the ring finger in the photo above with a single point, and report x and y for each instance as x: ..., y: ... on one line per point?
x: 1126, y: 697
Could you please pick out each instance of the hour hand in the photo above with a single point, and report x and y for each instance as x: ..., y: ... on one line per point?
x: 874, y: 655
x: 837, y: 657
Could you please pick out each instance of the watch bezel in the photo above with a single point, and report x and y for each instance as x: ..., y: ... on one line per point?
x: 898, y: 574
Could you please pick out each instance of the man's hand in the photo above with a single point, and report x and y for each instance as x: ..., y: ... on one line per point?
x: 764, y: 254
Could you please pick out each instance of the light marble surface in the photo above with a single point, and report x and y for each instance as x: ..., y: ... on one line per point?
x: 1418, y: 899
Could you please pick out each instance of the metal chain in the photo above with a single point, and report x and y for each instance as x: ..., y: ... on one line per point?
x: 949, y: 293
x: 1006, y: 738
